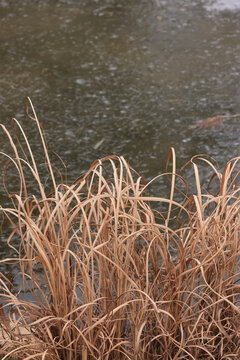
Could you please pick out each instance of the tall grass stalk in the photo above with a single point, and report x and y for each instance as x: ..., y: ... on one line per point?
x: 104, y: 276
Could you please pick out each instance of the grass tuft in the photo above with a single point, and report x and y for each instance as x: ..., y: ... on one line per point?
x: 104, y: 276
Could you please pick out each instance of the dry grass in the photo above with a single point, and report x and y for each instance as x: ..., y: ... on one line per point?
x: 107, y: 277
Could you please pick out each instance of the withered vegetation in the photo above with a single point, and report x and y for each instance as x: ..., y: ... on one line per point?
x: 105, y: 276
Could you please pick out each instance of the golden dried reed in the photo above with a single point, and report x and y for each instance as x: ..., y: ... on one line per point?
x: 109, y: 278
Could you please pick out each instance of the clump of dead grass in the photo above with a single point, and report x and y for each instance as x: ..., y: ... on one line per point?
x: 104, y: 276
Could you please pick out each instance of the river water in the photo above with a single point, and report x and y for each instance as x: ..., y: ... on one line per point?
x: 121, y: 77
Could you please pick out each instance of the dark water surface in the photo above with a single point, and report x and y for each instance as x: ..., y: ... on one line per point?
x: 132, y: 75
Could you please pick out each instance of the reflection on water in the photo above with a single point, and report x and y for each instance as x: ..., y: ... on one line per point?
x: 222, y: 5
x: 128, y: 78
